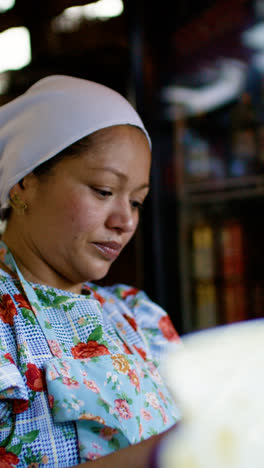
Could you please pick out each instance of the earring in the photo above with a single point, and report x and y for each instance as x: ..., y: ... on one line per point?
x: 19, y: 205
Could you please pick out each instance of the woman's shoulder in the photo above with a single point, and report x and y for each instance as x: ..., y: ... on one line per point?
x: 117, y: 292
x: 134, y: 302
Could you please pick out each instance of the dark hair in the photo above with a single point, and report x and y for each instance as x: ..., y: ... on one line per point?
x: 72, y: 151
x: 44, y: 169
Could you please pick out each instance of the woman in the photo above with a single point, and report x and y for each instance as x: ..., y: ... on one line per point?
x: 78, y: 374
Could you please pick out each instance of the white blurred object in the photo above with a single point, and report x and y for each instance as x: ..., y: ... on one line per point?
x: 6, y: 5
x: 254, y: 36
x: 217, y: 378
x: 71, y: 18
x: 15, y: 49
x: 227, y: 86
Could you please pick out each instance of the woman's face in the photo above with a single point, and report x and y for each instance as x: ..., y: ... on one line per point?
x: 82, y: 215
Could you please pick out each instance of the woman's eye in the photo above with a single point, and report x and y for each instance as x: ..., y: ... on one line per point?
x: 137, y: 205
x: 102, y: 193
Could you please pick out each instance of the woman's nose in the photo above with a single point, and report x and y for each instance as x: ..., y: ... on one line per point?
x: 122, y: 218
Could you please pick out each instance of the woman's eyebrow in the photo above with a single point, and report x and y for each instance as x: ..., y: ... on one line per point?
x: 119, y: 174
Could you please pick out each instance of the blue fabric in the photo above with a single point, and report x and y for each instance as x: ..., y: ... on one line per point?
x: 96, y: 331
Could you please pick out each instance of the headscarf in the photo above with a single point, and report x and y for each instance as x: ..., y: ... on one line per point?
x: 52, y: 114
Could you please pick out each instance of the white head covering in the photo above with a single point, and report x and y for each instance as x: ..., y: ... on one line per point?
x: 51, y: 115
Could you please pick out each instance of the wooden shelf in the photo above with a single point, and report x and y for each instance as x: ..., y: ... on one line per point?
x: 237, y: 188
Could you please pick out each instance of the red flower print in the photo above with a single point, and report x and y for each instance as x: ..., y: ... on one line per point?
x: 141, y: 351
x: 152, y: 400
x: 167, y: 329
x: 100, y: 298
x: 22, y: 301
x: 161, y: 395
x: 107, y: 433
x: 9, y: 358
x: 19, y: 406
x: 7, y: 459
x: 92, y: 456
x: 163, y: 415
x: 97, y: 296
x: 134, y: 379
x: 55, y: 348
x: 131, y: 321
x: 51, y: 401
x: 34, y: 377
x: 91, y: 385
x: 129, y: 292
x: 91, y: 417
x: 70, y: 382
x: 126, y: 349
x: 3, y: 254
x: 121, y: 406
x: 145, y: 414
x: 88, y: 350
x: 7, y: 309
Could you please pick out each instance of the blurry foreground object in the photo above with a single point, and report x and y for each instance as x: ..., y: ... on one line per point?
x: 217, y: 377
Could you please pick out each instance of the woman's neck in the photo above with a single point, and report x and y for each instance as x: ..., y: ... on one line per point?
x: 34, y: 268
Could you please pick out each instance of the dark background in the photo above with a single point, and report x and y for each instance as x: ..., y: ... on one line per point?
x: 146, y: 48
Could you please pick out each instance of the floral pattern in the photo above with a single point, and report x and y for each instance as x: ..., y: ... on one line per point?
x: 35, y: 379
x: 122, y: 397
x: 7, y: 459
x: 168, y: 329
x: 88, y: 350
x: 89, y: 372
x: 7, y: 309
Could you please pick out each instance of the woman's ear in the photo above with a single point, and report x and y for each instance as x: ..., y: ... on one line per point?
x: 24, y: 186
x: 17, y: 188
x: 22, y: 192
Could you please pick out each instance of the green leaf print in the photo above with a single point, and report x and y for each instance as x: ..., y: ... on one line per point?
x: 16, y: 449
x: 63, y: 347
x: 102, y: 403
x: 30, y: 457
x: 22, y: 351
x: 114, y: 443
x: 96, y: 335
x: 28, y: 316
x: 105, y: 343
x: 96, y: 429
x: 95, y: 359
x: 60, y: 300
x: 124, y: 396
x: 68, y: 434
x: 75, y: 340
x: 153, y: 331
x: 118, y: 292
x: 7, y: 441
x: 43, y: 298
x: 36, y: 305
x: 23, y: 367
x: 2, y: 348
x: 152, y: 432
x: 29, y: 437
x: 48, y: 325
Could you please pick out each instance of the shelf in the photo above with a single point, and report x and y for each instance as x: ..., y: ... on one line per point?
x: 237, y: 188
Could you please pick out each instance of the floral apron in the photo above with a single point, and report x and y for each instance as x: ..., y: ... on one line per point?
x: 112, y: 394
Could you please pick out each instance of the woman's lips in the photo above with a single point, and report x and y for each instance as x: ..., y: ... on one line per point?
x: 110, y: 250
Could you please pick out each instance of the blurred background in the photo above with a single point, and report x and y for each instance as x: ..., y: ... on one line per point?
x: 195, y: 73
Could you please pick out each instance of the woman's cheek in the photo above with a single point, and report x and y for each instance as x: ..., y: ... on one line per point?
x: 83, y: 215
